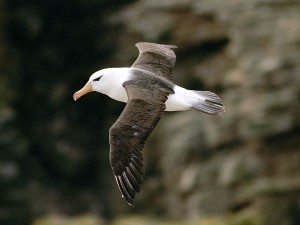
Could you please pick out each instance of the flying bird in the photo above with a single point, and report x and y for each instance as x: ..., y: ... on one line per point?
x: 148, y: 89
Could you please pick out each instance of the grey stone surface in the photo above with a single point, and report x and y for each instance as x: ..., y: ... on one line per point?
x: 248, y: 53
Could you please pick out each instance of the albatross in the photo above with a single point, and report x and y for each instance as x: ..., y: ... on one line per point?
x: 148, y: 89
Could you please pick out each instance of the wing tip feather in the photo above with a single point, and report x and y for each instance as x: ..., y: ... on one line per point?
x: 123, y: 190
x: 149, y: 43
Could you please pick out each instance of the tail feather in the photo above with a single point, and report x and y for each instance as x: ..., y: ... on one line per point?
x: 209, y: 103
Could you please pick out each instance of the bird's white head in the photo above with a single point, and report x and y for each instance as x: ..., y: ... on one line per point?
x: 104, y: 81
x: 96, y: 83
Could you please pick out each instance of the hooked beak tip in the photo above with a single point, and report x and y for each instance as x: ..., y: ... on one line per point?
x: 86, y: 89
x: 75, y: 97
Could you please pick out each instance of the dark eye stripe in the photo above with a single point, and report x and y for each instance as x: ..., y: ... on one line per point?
x: 97, y: 79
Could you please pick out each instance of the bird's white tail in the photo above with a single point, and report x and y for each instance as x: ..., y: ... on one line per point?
x: 209, y: 103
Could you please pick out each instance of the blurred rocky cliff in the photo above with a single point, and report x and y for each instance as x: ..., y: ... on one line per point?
x: 241, y: 169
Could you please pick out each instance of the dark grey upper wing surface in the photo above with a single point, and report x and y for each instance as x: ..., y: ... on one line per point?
x: 156, y: 58
x: 127, y: 136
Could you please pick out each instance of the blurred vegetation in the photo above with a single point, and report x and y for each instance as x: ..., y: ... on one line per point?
x: 50, y: 147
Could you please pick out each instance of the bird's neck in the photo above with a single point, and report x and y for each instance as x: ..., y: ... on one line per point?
x: 112, y: 84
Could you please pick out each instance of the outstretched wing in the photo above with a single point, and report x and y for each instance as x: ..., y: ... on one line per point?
x: 146, y: 103
x: 156, y: 58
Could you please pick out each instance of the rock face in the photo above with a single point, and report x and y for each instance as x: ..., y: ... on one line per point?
x: 249, y: 161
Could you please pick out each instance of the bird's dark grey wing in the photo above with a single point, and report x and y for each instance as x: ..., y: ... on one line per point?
x: 156, y: 58
x: 128, y: 134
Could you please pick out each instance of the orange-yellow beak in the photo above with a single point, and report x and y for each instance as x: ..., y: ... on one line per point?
x: 86, y: 89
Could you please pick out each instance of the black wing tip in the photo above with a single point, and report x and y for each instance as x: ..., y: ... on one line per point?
x: 125, y: 193
x: 127, y: 189
x: 130, y: 204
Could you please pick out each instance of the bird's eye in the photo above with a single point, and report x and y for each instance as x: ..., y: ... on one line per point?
x: 97, y: 79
